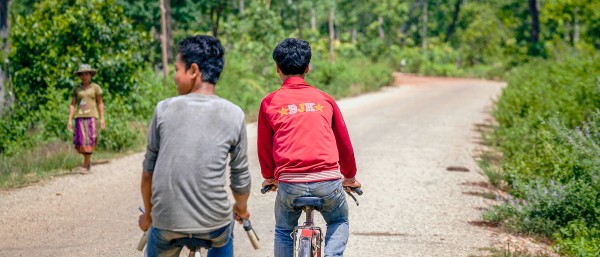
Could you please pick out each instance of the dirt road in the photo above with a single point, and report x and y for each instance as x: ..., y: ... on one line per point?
x: 405, y: 138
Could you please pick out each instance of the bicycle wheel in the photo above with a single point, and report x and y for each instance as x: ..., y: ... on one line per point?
x: 304, y: 247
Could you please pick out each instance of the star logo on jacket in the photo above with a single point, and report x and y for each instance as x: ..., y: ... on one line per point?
x: 283, y: 111
x: 319, y: 107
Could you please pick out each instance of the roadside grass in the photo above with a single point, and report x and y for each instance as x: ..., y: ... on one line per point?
x: 495, y: 252
x: 487, y: 163
x: 49, y: 160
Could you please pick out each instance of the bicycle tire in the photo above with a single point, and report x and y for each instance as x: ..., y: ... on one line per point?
x: 305, y: 247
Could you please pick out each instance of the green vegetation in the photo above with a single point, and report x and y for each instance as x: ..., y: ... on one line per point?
x: 512, y: 253
x: 549, y: 135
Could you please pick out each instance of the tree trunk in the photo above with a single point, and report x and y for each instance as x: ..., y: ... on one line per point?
x: 409, y: 21
x: 228, y: 43
x: 535, y: 23
x: 380, y: 28
x: 299, y: 18
x: 454, y: 20
x: 424, y: 41
x: 354, y: 35
x: 331, y: 35
x: 4, y: 32
x: 241, y: 7
x: 163, y: 37
x: 568, y: 34
x: 4, y: 23
x: 215, y: 16
x: 169, y: 19
x: 575, y: 27
x: 313, y: 19
x: 268, y: 4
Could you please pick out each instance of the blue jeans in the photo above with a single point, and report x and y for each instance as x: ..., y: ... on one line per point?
x: 159, y: 242
x: 335, y: 213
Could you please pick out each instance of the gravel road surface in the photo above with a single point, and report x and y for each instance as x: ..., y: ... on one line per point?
x: 405, y: 138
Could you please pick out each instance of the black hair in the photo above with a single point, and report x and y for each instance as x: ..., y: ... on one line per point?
x: 292, y: 56
x: 206, y: 52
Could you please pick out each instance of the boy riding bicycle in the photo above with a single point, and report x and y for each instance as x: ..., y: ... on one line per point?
x: 189, y: 140
x: 304, y: 150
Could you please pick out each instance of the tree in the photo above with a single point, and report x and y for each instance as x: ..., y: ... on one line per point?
x: 164, y: 36
x: 535, y: 47
x: 535, y: 21
x: 49, y: 44
x: 331, y: 33
x: 454, y: 20
x: 424, y: 39
x: 4, y: 23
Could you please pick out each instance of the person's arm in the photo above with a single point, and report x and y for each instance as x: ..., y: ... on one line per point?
x: 101, y: 110
x: 71, y: 113
x: 145, y: 220
x: 152, y: 148
x: 100, y: 105
x: 346, y: 152
x: 265, y: 147
x: 240, y: 175
x: 240, y: 208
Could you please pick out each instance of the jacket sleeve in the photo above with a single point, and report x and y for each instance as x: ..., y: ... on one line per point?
x: 342, y: 138
x: 265, y: 143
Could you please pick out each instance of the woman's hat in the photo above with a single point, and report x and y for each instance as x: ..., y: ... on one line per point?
x: 85, y: 68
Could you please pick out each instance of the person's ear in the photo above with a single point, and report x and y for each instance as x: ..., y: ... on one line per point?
x: 307, y: 69
x: 277, y: 69
x: 194, y: 71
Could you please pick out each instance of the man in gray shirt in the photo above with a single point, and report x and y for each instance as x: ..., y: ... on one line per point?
x: 190, y: 139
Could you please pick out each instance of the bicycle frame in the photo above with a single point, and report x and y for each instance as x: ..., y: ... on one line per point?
x: 308, y: 237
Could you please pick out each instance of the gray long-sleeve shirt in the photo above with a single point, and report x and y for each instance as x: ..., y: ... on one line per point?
x: 189, y: 140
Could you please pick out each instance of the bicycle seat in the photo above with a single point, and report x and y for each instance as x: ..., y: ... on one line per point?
x: 191, y: 242
x: 302, y: 201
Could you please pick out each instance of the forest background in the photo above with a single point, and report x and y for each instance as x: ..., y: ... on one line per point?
x: 544, y: 147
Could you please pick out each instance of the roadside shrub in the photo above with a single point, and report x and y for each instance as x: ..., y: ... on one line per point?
x: 537, y: 94
x: 578, y: 239
x: 549, y: 136
x: 350, y: 77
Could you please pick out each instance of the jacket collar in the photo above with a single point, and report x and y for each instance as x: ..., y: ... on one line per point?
x: 294, y: 81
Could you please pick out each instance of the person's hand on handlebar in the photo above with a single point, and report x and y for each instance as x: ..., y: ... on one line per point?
x: 350, y: 183
x: 272, y: 182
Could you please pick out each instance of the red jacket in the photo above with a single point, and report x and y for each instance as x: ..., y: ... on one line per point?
x: 302, y: 136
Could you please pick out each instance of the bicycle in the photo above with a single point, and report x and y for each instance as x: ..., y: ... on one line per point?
x: 193, y: 246
x: 308, y: 237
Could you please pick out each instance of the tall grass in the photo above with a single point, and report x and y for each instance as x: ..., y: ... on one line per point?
x: 51, y: 159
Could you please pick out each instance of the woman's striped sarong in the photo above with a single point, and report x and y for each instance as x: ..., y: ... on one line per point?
x: 85, y: 135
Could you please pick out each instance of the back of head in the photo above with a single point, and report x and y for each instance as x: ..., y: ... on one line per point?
x: 292, y: 56
x: 206, y: 52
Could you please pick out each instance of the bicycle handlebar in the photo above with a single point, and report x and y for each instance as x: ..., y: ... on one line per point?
x: 357, y: 190
x: 266, y: 189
